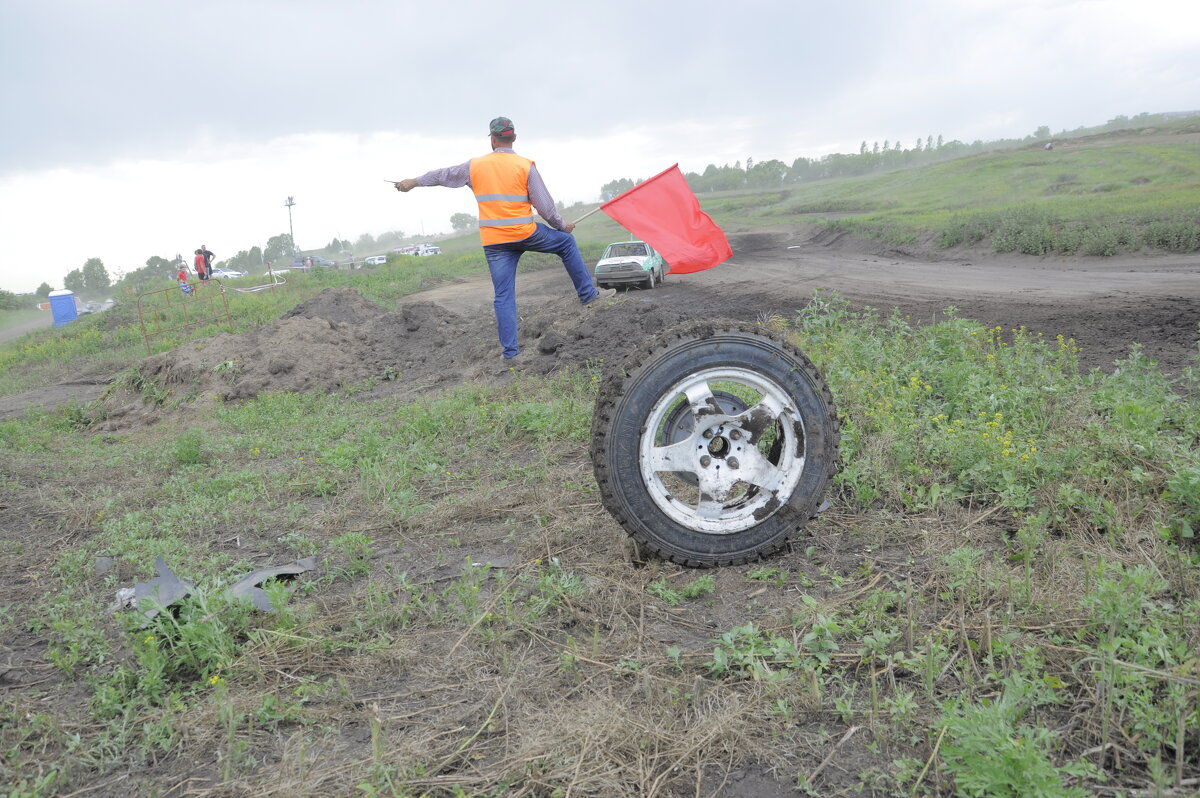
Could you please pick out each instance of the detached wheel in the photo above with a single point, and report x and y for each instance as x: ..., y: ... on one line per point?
x: 714, y: 444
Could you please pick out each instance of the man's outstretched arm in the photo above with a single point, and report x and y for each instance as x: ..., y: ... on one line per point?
x: 450, y: 177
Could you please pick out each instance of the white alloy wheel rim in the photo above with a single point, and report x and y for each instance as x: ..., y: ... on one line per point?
x: 737, y: 483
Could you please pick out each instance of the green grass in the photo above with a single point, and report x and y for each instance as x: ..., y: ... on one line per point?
x: 1090, y: 200
x: 986, y: 652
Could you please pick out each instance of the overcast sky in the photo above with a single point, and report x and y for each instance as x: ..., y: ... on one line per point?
x: 134, y: 128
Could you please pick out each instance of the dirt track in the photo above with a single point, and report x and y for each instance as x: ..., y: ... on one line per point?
x: 26, y: 326
x: 1106, y: 304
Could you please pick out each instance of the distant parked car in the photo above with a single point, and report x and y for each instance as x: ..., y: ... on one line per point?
x: 376, y: 260
x: 629, y: 262
x: 228, y: 274
x: 308, y: 261
x: 427, y: 249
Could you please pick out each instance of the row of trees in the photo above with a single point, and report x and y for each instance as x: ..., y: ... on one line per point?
x: 10, y: 301
x: 774, y: 173
x: 92, y: 280
x: 278, y: 249
x: 89, y: 280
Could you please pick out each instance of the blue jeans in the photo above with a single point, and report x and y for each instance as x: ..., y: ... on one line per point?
x: 502, y: 263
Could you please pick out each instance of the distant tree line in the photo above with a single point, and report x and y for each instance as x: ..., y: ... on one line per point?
x: 870, y: 158
x: 10, y: 301
x: 92, y: 279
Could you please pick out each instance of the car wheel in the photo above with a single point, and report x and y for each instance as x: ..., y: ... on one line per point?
x: 714, y: 443
x: 649, y: 283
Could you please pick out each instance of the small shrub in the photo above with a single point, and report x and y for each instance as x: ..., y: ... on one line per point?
x: 1181, y: 234
x: 188, y: 448
x: 992, y: 753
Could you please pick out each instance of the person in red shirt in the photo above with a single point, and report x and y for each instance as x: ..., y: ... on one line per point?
x: 208, y: 259
x: 183, y: 283
x: 201, y: 265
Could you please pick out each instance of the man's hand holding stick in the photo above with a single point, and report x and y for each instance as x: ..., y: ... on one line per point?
x: 407, y: 184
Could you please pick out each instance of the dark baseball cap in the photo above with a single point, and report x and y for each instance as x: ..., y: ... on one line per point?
x: 502, y: 126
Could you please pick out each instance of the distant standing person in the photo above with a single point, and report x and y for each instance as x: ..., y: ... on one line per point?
x: 201, y: 265
x: 208, y: 259
x: 508, y: 188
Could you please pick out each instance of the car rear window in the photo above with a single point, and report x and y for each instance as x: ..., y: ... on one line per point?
x: 626, y: 250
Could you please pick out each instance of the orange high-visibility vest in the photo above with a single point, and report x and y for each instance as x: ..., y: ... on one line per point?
x: 501, y: 185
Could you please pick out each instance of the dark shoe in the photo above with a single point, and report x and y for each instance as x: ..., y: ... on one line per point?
x: 607, y: 293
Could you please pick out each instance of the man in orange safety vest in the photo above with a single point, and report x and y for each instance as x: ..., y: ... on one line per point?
x: 507, y: 189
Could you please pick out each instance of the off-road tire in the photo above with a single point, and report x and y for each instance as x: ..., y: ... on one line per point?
x: 646, y: 463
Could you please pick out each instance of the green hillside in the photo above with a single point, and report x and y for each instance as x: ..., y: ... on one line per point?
x: 1095, y: 196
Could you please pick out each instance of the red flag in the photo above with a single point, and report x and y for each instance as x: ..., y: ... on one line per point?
x: 665, y: 214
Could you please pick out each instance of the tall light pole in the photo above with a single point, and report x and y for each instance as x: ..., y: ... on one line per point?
x: 290, y: 202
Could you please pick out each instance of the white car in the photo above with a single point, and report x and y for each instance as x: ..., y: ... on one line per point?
x: 628, y: 263
x: 228, y: 274
x: 376, y: 260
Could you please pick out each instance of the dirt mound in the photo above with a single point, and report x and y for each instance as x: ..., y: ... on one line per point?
x: 339, y: 339
x: 344, y: 305
x: 335, y: 340
x: 561, y: 333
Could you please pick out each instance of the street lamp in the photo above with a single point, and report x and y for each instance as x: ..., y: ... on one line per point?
x: 290, y: 202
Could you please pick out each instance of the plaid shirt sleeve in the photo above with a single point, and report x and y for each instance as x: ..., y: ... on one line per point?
x: 541, y: 199
x: 449, y: 176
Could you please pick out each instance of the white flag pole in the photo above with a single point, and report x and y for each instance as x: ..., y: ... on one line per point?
x: 589, y: 213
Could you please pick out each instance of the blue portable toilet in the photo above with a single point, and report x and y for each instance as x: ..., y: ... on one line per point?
x: 63, y: 307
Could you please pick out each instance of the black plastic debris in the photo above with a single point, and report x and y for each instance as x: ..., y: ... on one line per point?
x: 250, y: 586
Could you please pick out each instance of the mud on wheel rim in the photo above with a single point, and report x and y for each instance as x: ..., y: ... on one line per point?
x: 715, y: 443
